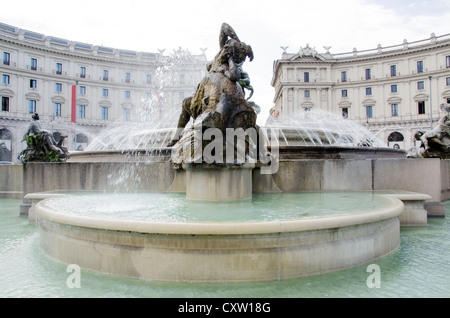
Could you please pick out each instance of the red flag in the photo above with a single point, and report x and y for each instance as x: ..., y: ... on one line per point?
x: 74, y: 103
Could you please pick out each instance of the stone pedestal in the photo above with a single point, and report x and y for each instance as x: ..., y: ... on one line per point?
x: 414, y: 213
x: 214, y: 183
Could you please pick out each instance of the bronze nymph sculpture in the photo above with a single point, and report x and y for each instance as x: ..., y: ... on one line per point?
x: 219, y: 101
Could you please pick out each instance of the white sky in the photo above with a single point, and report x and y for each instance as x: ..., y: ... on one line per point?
x: 149, y: 25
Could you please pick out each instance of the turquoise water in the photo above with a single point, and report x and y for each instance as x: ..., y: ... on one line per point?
x: 419, y: 268
x: 173, y: 207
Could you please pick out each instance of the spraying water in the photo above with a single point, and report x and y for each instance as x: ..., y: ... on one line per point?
x: 317, y: 127
x: 157, y: 115
x: 157, y: 112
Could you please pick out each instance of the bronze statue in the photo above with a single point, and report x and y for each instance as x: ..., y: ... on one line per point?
x: 435, y: 143
x: 219, y: 101
x: 223, y: 73
x: 41, y: 146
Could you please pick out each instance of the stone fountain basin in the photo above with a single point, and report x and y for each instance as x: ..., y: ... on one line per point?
x: 220, y: 251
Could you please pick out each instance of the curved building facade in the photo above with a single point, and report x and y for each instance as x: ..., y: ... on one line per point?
x: 80, y: 89
x: 394, y: 90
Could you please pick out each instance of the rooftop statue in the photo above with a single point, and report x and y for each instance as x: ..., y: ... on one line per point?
x: 219, y: 101
x: 435, y: 143
x: 41, y: 146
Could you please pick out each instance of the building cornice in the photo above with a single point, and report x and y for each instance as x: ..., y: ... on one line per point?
x: 393, y: 54
x: 76, y: 55
x: 355, y: 57
x: 77, y: 50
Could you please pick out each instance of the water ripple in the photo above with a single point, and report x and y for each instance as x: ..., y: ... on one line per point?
x: 419, y: 268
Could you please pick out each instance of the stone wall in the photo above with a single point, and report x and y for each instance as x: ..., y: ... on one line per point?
x: 11, y: 181
x: 427, y: 176
x: 445, y: 180
x: 102, y: 176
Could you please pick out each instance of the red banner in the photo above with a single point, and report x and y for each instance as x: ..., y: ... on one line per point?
x: 74, y: 103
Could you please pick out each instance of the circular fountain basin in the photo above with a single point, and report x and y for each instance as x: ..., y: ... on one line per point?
x: 286, y: 152
x: 163, y: 236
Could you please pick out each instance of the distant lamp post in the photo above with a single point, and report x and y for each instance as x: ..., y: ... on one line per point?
x: 74, y: 113
x: 293, y: 101
x: 431, y: 106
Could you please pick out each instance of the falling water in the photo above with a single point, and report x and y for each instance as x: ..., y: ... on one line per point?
x: 316, y: 128
x: 321, y: 128
x: 155, y: 119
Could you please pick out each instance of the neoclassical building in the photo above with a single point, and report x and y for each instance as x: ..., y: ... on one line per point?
x: 393, y: 90
x: 79, y: 89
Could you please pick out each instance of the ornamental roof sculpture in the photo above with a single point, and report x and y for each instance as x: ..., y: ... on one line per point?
x: 307, y: 51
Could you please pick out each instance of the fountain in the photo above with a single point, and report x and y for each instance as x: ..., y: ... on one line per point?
x: 202, y: 243
x: 181, y: 210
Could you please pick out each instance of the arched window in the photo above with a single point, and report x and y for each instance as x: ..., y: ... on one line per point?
x: 395, y: 136
x: 81, y: 142
x: 5, y: 145
x: 82, y: 138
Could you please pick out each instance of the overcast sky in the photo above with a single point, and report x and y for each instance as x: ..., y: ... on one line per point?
x: 148, y: 25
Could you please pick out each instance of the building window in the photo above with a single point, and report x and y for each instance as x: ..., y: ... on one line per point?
x: 149, y: 79
x: 396, y: 137
x: 127, y: 94
x: 127, y: 77
x: 307, y: 93
x: 393, y: 70
x: 345, y: 112
x: 82, y: 111
x: 419, y: 66
x: 58, y: 68
x: 368, y: 74
x: 182, y: 78
x: 394, y: 110
x: 57, y: 109
x: 33, y: 64
x: 368, y: 91
x: 421, y: 107
x: 344, y: 76
x: 5, y: 79
x: 58, y: 87
x: 82, y: 72
x: 31, y: 106
x: 5, y: 104
x: 104, y: 113
x: 420, y: 85
x: 126, y: 114
x: 105, y: 92
x: 306, y: 77
x: 447, y: 81
x: 344, y: 93
x: 33, y: 83
x: 181, y: 96
x: 447, y: 61
x: 82, y: 90
x: 369, y: 111
x: 105, y: 75
x: 6, y: 58
x: 147, y: 115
